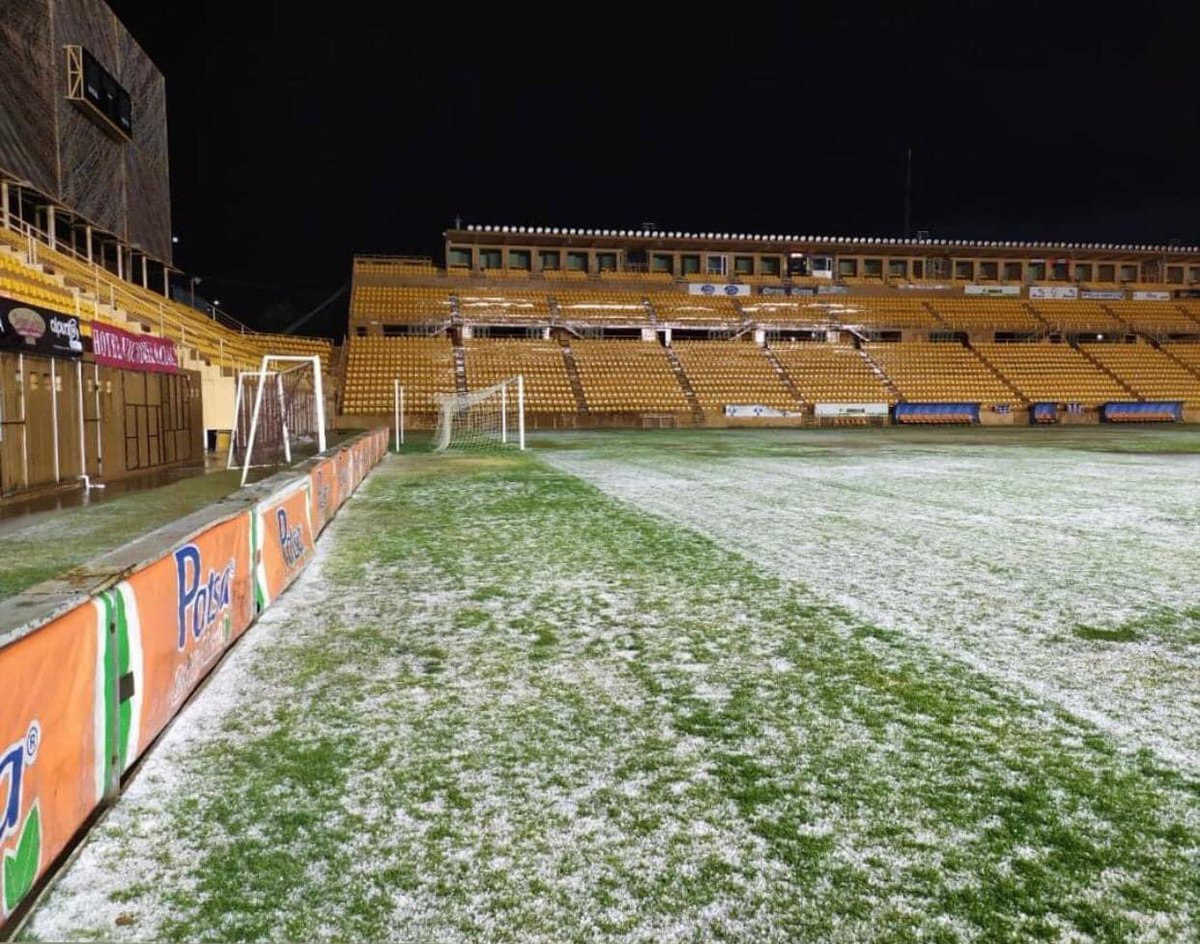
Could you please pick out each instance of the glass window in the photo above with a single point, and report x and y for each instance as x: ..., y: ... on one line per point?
x: 873, y: 268
x: 577, y: 261
x: 989, y: 271
x: 1175, y: 275
x: 1012, y: 272
x: 769, y: 265
x: 847, y: 268
x: 489, y: 258
x: 1129, y: 273
x: 661, y: 262
x: 518, y: 259
x: 897, y: 268
x: 1037, y: 271
x: 1060, y: 271
x: 715, y: 265
x: 1083, y: 271
x: 1106, y: 272
x: 606, y: 262
x: 964, y: 269
x: 689, y: 265
x: 743, y: 265
x: 459, y: 257
x: 551, y: 259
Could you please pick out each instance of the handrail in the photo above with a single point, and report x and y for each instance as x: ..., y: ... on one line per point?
x: 141, y: 304
x: 38, y: 239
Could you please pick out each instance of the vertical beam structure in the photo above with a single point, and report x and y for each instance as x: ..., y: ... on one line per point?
x: 24, y: 424
x: 504, y: 414
x: 82, y: 431
x: 4, y: 204
x: 88, y: 236
x: 99, y: 421
x: 54, y: 412
x: 287, y: 442
x: 521, y: 412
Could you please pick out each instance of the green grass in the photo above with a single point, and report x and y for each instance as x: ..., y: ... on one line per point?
x: 508, y: 708
x: 56, y: 542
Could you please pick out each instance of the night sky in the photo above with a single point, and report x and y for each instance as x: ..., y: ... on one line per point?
x: 298, y: 140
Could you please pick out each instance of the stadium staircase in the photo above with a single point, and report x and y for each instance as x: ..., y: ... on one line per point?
x: 1036, y: 316
x: 992, y: 369
x: 573, y: 373
x: 1166, y: 349
x: 879, y: 372
x: 783, y: 375
x: 650, y: 312
x: 555, y: 309
x: 1082, y: 349
x: 933, y: 313
x: 685, y: 385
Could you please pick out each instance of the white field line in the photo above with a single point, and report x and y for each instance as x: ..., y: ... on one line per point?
x: 993, y: 555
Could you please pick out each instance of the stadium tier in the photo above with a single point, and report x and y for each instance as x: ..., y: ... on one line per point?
x: 1056, y: 373
x: 832, y: 373
x: 424, y: 366
x: 940, y: 371
x: 1075, y: 316
x: 694, y: 309
x: 602, y: 307
x: 1147, y: 371
x: 627, y: 377
x: 724, y: 373
x: 541, y: 363
x: 1155, y: 318
x: 986, y: 314
x: 617, y: 341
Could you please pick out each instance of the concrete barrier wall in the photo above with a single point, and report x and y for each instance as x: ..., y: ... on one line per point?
x: 96, y: 663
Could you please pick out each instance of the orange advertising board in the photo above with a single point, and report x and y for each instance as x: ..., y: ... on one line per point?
x: 51, y: 745
x: 191, y: 604
x: 283, y: 541
x: 323, y: 493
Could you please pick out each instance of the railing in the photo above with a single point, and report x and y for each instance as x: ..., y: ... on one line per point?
x: 140, y: 303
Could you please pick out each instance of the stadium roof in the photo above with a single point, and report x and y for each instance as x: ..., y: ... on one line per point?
x: 533, y: 232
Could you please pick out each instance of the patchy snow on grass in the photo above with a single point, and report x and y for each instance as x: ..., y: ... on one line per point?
x: 1070, y: 573
x: 500, y: 706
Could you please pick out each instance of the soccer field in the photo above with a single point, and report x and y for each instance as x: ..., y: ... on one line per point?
x: 690, y: 686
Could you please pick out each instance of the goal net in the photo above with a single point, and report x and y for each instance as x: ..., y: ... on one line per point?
x: 279, y: 413
x: 489, y: 418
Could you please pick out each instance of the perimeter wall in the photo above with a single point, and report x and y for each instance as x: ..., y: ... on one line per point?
x: 95, y: 664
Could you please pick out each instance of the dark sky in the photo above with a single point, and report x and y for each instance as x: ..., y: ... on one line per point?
x: 298, y: 140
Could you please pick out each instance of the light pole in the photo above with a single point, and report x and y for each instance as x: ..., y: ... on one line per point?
x: 195, y: 279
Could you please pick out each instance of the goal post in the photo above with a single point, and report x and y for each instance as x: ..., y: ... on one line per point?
x: 398, y: 405
x: 280, y: 404
x: 493, y: 417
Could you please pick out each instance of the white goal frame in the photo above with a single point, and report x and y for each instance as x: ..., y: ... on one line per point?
x: 265, y: 372
x: 465, y: 401
x: 398, y: 403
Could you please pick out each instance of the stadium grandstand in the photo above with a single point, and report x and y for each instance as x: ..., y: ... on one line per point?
x: 86, y: 248
x: 711, y: 329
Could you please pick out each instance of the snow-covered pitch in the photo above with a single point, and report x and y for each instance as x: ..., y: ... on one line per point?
x: 744, y: 686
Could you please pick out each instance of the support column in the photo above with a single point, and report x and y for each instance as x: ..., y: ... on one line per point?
x: 166, y: 282
x: 145, y: 274
x: 120, y: 262
x: 88, y: 234
x: 51, y: 222
x: 4, y: 203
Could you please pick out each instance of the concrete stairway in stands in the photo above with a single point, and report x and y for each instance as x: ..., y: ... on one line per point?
x: 783, y: 375
x: 573, y: 374
x: 685, y: 384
